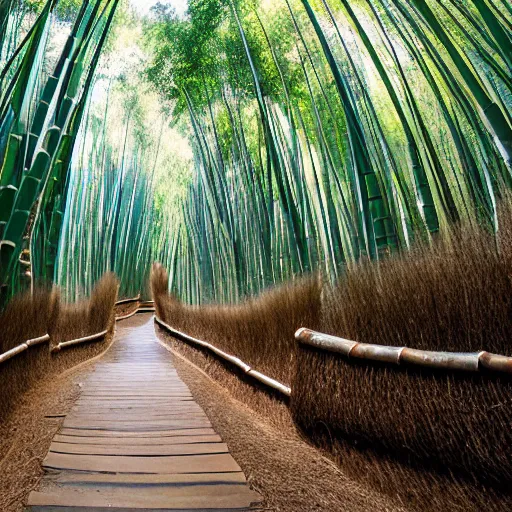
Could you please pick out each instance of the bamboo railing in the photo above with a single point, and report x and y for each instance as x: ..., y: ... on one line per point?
x: 145, y: 306
x: 78, y: 341
x: 262, y: 378
x: 126, y: 301
x: 24, y: 346
x: 463, y: 361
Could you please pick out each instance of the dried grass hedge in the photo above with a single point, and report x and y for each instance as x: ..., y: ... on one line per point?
x: 455, y: 295
x: 448, y: 431
x: 88, y: 316
x: 434, y: 439
x: 27, y: 317
x: 257, y: 330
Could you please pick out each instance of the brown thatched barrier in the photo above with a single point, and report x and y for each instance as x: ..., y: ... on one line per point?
x: 388, y: 415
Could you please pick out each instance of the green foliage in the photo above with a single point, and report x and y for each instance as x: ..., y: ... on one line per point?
x: 325, y: 132
x: 286, y: 137
x: 45, y: 120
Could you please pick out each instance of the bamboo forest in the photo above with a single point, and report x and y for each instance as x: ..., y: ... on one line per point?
x: 255, y: 255
x: 243, y: 143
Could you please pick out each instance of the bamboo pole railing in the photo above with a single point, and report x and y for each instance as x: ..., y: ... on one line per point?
x: 464, y: 361
x: 126, y: 301
x: 22, y: 347
x: 37, y: 341
x: 78, y: 341
x: 13, y: 352
x: 146, y: 306
x: 124, y: 317
x: 46, y: 337
x: 264, y: 379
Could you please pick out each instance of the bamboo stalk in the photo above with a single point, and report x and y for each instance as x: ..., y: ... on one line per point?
x: 124, y: 317
x: 78, y: 341
x: 496, y: 362
x: 37, y: 341
x: 441, y: 360
x: 24, y: 346
x: 325, y: 341
x: 13, y: 352
x: 285, y: 390
x: 464, y: 361
x: 125, y: 301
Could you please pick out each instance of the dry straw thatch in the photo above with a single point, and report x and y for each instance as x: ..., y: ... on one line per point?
x: 29, y: 316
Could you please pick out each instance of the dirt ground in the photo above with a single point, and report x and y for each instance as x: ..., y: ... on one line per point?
x: 27, y: 434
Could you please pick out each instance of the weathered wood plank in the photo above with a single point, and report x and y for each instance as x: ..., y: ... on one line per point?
x: 51, y: 508
x: 85, y: 480
x: 222, y: 463
x: 139, y: 451
x: 137, y: 441
x: 181, y: 497
x: 137, y: 426
x: 150, y: 434
x: 133, y: 412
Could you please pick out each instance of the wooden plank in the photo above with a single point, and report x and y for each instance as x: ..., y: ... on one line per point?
x: 172, y: 421
x: 115, y: 384
x: 195, y: 497
x: 111, y: 417
x: 125, y: 415
x: 169, y: 395
x: 130, y: 425
x: 135, y: 390
x: 138, y: 441
x: 143, y: 399
x: 51, y: 508
x: 222, y: 463
x: 139, y: 451
x: 180, y: 497
x: 135, y: 406
x: 90, y: 479
x: 168, y: 410
x: 151, y: 434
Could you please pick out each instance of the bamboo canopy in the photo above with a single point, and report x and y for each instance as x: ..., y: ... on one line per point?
x: 243, y: 144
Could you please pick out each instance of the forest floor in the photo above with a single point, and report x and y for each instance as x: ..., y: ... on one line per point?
x: 26, y: 434
x: 289, y: 474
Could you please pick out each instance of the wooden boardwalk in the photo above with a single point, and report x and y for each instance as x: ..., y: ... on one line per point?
x: 136, y: 440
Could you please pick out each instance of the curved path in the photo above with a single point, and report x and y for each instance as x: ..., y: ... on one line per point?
x: 136, y: 440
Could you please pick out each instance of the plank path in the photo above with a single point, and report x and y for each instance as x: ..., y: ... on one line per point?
x: 136, y: 440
